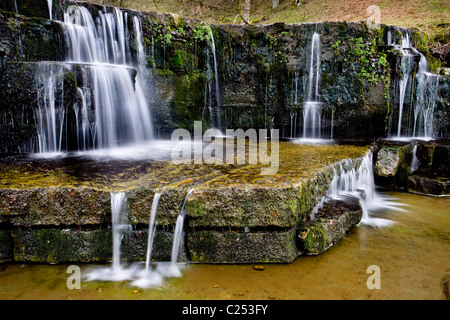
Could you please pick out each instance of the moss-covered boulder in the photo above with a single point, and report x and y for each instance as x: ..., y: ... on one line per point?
x: 393, y: 165
x: 333, y: 222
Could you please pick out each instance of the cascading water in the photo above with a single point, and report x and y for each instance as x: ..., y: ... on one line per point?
x: 426, y: 98
x: 50, y: 112
x: 359, y: 183
x: 407, y: 65
x: 50, y: 8
x: 312, y: 107
x: 417, y: 122
x: 215, y: 114
x: 173, y: 269
x: 119, y: 223
x: 146, y: 277
x: 415, y: 159
x: 151, y: 230
x: 99, y: 55
x: 311, y: 111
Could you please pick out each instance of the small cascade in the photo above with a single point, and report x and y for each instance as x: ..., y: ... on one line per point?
x: 407, y: 65
x: 215, y: 115
x: 312, y: 107
x: 119, y: 223
x: 415, y: 159
x: 50, y: 8
x: 141, y: 277
x: 426, y: 98
x: 85, y: 130
x: 173, y: 270
x: 151, y: 230
x: 311, y: 111
x: 415, y: 118
x: 147, y: 277
x: 50, y: 111
x: 359, y: 183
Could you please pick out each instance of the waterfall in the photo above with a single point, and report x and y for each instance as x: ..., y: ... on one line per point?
x: 99, y: 54
x: 151, y: 230
x: 312, y: 107
x: 215, y: 116
x: 141, y: 277
x: 415, y: 159
x: 311, y: 111
x: 173, y: 270
x: 119, y: 223
x: 147, y: 277
x: 359, y: 183
x: 407, y: 65
x: 50, y: 112
x: 426, y: 98
x: 417, y: 122
x: 50, y: 8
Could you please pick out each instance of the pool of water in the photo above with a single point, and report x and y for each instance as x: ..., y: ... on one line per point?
x: 412, y: 254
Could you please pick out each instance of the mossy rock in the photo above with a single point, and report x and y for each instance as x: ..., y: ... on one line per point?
x: 61, y: 245
x: 242, y: 247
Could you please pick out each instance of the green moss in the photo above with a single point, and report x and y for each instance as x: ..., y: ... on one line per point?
x: 176, y: 61
x: 315, y: 242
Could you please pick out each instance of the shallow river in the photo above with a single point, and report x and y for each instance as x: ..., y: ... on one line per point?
x: 413, y: 255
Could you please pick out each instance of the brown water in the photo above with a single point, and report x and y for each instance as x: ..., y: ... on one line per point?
x: 413, y: 256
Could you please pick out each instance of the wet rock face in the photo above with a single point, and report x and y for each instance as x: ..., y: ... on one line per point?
x: 262, y: 73
x: 439, y: 186
x: 393, y: 166
x: 30, y: 8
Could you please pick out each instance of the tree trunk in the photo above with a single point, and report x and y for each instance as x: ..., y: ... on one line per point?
x: 275, y: 3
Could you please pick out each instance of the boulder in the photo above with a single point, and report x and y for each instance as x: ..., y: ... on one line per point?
x: 439, y: 186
